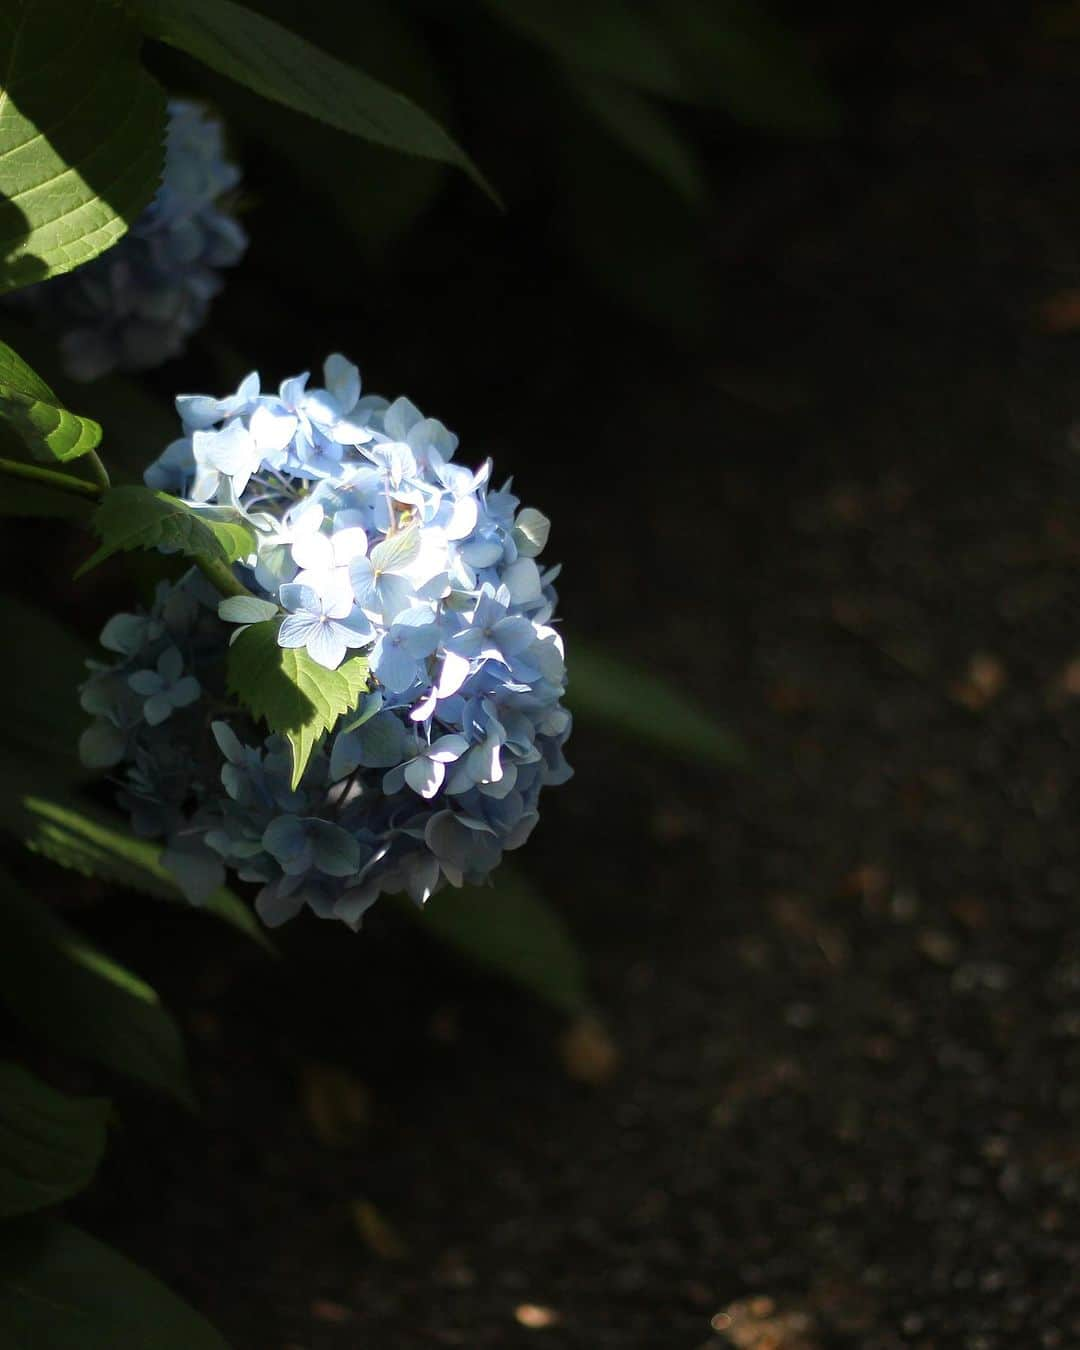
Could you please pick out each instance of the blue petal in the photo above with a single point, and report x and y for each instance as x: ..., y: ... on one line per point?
x: 326, y: 645
x: 146, y: 682
x: 170, y: 665
x: 295, y: 595
x: 276, y: 904
x: 157, y: 709
x: 334, y: 850
x: 296, y: 630
x: 228, y: 742
x: 185, y: 691
x: 343, y: 380
x: 395, y: 595
x: 395, y: 669
x: 102, y: 745
x: 424, y: 775
x: 345, y: 755
x: 513, y: 635
x: 286, y: 840
x: 400, y: 417
x: 383, y: 742
x: 198, y: 871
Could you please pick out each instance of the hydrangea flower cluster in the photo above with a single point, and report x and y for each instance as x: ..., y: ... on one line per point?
x: 135, y: 306
x: 370, y: 539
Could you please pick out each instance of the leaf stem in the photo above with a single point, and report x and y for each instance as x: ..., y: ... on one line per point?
x: 60, y: 482
x: 98, y: 470
x: 220, y: 576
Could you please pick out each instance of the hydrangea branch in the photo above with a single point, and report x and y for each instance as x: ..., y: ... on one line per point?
x: 221, y: 577
x: 218, y: 574
x: 98, y: 470
x: 60, y: 482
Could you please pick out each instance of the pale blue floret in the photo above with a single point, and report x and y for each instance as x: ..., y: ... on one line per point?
x: 399, y: 654
x: 370, y: 538
x: 426, y: 772
x: 380, y: 581
x: 378, y: 743
x: 165, y: 688
x: 301, y: 843
x: 491, y: 633
x: 326, y: 625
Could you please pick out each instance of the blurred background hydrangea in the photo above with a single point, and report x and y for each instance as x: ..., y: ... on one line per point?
x: 136, y: 305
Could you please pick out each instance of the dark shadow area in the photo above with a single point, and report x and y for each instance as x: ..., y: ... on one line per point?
x: 18, y: 267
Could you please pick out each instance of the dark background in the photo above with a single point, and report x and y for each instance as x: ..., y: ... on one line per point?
x: 806, y: 447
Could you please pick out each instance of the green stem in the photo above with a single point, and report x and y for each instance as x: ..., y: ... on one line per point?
x: 98, y: 470
x: 217, y: 573
x: 60, y: 482
x: 220, y: 577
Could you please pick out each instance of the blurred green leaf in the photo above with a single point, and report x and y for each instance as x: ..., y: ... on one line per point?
x: 138, y: 517
x: 290, y: 692
x: 86, y: 842
x: 50, y: 1144
x: 644, y: 707
x: 35, y: 414
x: 82, y: 129
x: 737, y: 55
x: 377, y: 35
x: 651, y: 254
x: 645, y: 130
x: 511, y: 930
x: 61, y: 1289
x: 70, y: 993
x: 42, y: 718
x: 732, y: 54
x: 610, y: 36
x: 279, y: 65
x: 139, y: 425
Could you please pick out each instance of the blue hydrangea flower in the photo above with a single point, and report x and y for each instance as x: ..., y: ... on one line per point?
x: 397, y: 658
x: 369, y: 537
x: 327, y: 624
x: 135, y: 306
x: 165, y: 688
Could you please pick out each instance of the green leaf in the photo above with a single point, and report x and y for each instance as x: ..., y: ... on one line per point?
x: 645, y: 130
x: 732, y: 54
x: 609, y: 36
x: 33, y: 411
x: 290, y: 692
x: 137, y: 517
x: 604, y: 689
x: 72, y: 994
x: 61, y: 1289
x: 279, y: 65
x: 50, y: 1144
x: 82, y: 130
x: 39, y: 694
x: 511, y: 930
x: 737, y: 55
x: 96, y: 847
